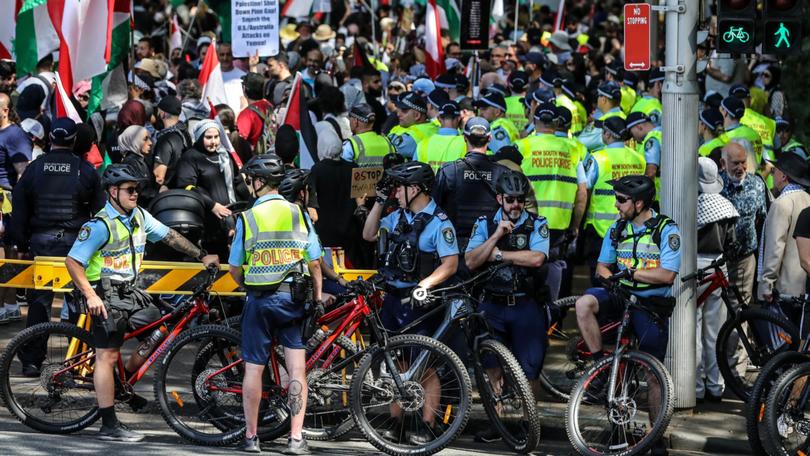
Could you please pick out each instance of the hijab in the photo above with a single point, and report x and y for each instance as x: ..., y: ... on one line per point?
x: 132, y: 113
x: 131, y: 139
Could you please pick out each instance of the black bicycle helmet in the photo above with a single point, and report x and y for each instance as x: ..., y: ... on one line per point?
x: 266, y: 166
x: 639, y: 188
x: 412, y: 173
x: 294, y: 181
x: 512, y: 183
x: 117, y: 174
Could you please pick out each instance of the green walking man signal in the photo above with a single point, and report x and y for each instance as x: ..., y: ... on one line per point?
x: 783, y: 34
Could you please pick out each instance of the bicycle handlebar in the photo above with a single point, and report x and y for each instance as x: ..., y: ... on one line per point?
x: 703, y: 272
x: 423, y: 295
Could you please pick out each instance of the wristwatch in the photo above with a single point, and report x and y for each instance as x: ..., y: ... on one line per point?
x: 498, y: 254
x: 203, y: 254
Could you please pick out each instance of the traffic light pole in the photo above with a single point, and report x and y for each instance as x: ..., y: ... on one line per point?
x: 679, y: 183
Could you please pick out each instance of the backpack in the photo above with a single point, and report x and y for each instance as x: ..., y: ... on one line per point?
x: 266, y: 142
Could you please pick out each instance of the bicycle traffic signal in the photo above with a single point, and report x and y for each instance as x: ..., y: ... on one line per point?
x: 736, y: 26
x: 782, y: 27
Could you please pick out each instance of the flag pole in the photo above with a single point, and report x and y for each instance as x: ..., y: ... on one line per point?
x: 190, y: 26
x: 370, y: 9
x: 517, y: 10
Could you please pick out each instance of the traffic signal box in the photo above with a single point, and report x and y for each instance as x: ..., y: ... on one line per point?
x: 736, y: 26
x: 782, y: 26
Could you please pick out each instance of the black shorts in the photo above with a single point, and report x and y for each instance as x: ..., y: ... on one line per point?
x: 125, y: 312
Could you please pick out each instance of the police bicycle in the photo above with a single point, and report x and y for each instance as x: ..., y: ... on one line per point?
x: 624, y: 402
x: 502, y: 385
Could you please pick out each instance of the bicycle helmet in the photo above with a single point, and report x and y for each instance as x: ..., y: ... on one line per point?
x: 512, y: 183
x: 117, y: 174
x: 294, y: 181
x: 412, y: 173
x: 639, y: 188
x: 267, y: 166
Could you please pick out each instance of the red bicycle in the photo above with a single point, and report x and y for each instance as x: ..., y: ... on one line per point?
x: 762, y: 333
x: 62, y: 399
x: 199, y: 381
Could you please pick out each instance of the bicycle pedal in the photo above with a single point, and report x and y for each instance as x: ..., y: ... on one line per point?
x: 136, y: 402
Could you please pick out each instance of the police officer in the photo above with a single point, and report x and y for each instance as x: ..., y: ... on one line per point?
x: 541, y: 95
x: 420, y: 252
x: 614, y: 73
x: 710, y: 130
x: 509, y: 301
x: 276, y: 258
x: 492, y: 107
x: 564, y: 99
x: 103, y: 264
x: 562, y: 129
x: 413, y: 124
x: 435, y: 100
x: 514, y: 107
x: 763, y: 125
x: 648, y: 143
x: 614, y: 161
x: 365, y: 147
x: 447, y: 144
x: 646, y: 246
x: 550, y: 163
x: 465, y: 188
x: 733, y: 109
x: 785, y: 140
x: 607, y: 106
x: 649, y: 103
x: 56, y: 195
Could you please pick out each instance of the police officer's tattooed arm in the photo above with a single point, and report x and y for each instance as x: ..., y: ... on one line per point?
x: 176, y: 241
x: 77, y: 274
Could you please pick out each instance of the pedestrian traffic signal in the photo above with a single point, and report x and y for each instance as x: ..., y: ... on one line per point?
x: 782, y: 27
x: 736, y: 26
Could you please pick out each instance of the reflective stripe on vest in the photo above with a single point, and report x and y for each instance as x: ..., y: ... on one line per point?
x: 614, y: 163
x: 515, y: 111
x: 550, y: 163
x: 120, y: 258
x: 370, y: 148
x: 275, y: 242
x: 639, y: 252
x: 440, y: 149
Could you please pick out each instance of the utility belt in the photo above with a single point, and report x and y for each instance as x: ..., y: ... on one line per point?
x: 300, y: 288
x: 122, y: 289
x: 658, y: 305
x: 506, y: 300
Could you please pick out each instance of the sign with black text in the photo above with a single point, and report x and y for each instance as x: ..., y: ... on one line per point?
x: 254, y: 27
x: 475, y: 24
x: 364, y: 181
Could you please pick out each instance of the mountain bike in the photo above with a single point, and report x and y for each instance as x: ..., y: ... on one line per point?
x: 62, y: 399
x: 625, y: 401
x: 390, y: 371
x: 502, y: 385
x: 761, y: 333
x: 787, y: 416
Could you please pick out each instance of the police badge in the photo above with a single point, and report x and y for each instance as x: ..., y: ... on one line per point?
x: 84, y: 233
x: 543, y: 231
x: 674, y: 242
x: 448, y: 235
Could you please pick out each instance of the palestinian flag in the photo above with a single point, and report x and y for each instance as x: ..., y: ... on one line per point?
x: 297, y: 116
x: 34, y: 33
x: 296, y: 8
x: 110, y: 87
x: 449, y: 16
x: 359, y: 57
x: 175, y: 38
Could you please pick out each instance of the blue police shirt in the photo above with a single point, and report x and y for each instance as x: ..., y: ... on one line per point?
x: 404, y: 144
x: 652, y: 151
x: 591, y: 136
x: 439, y: 236
x: 670, y: 255
x: 237, y: 256
x: 538, y: 241
x: 591, y: 167
x: 500, y: 138
x: 347, y: 152
x: 94, y: 234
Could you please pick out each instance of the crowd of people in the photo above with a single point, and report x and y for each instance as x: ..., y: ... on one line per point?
x: 528, y: 152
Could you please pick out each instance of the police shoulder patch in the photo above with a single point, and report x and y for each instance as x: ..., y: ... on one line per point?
x: 674, y: 242
x: 543, y: 231
x: 500, y: 134
x: 449, y: 235
x: 649, y: 144
x: 84, y: 233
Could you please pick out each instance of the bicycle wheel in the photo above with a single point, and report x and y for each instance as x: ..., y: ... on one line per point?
x: 636, y: 418
x: 62, y: 399
x: 507, y: 396
x: 787, y: 415
x: 198, y: 387
x: 375, y: 400
x: 755, y: 409
x: 767, y: 334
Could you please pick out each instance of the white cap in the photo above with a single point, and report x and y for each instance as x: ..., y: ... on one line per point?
x: 33, y: 128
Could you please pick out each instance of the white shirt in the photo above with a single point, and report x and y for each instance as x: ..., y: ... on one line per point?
x: 233, y: 88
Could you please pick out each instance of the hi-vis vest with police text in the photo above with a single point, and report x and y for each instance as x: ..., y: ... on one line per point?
x: 764, y: 126
x: 275, y: 242
x: 550, y: 164
x: 614, y: 163
x: 440, y: 149
x: 119, y: 259
x: 640, y: 250
x: 515, y: 111
x: 370, y: 148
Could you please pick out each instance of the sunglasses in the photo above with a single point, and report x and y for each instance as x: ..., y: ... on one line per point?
x: 622, y: 199
x: 513, y: 200
x: 130, y: 190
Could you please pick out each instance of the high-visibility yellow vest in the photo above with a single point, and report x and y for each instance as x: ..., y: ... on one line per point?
x: 369, y: 148
x: 515, y: 110
x: 649, y: 106
x: 706, y: 148
x: 745, y: 132
x: 764, y: 126
x: 577, y: 121
x: 120, y: 258
x: 550, y: 164
x: 640, y: 251
x: 419, y: 132
x: 613, y: 163
x: 628, y: 99
x: 275, y: 242
x: 508, y: 126
x: 440, y: 149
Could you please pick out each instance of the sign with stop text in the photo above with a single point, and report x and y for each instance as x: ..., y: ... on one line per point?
x: 637, y: 24
x: 364, y: 181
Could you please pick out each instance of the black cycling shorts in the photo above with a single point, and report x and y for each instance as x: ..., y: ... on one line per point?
x: 125, y: 312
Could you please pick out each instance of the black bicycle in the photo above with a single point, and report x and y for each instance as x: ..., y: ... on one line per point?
x: 625, y: 401
x: 504, y: 389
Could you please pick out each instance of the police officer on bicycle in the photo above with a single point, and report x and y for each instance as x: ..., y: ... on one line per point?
x: 103, y: 264
x: 646, y: 247
x: 275, y: 256
x: 510, y: 297
x: 417, y: 250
